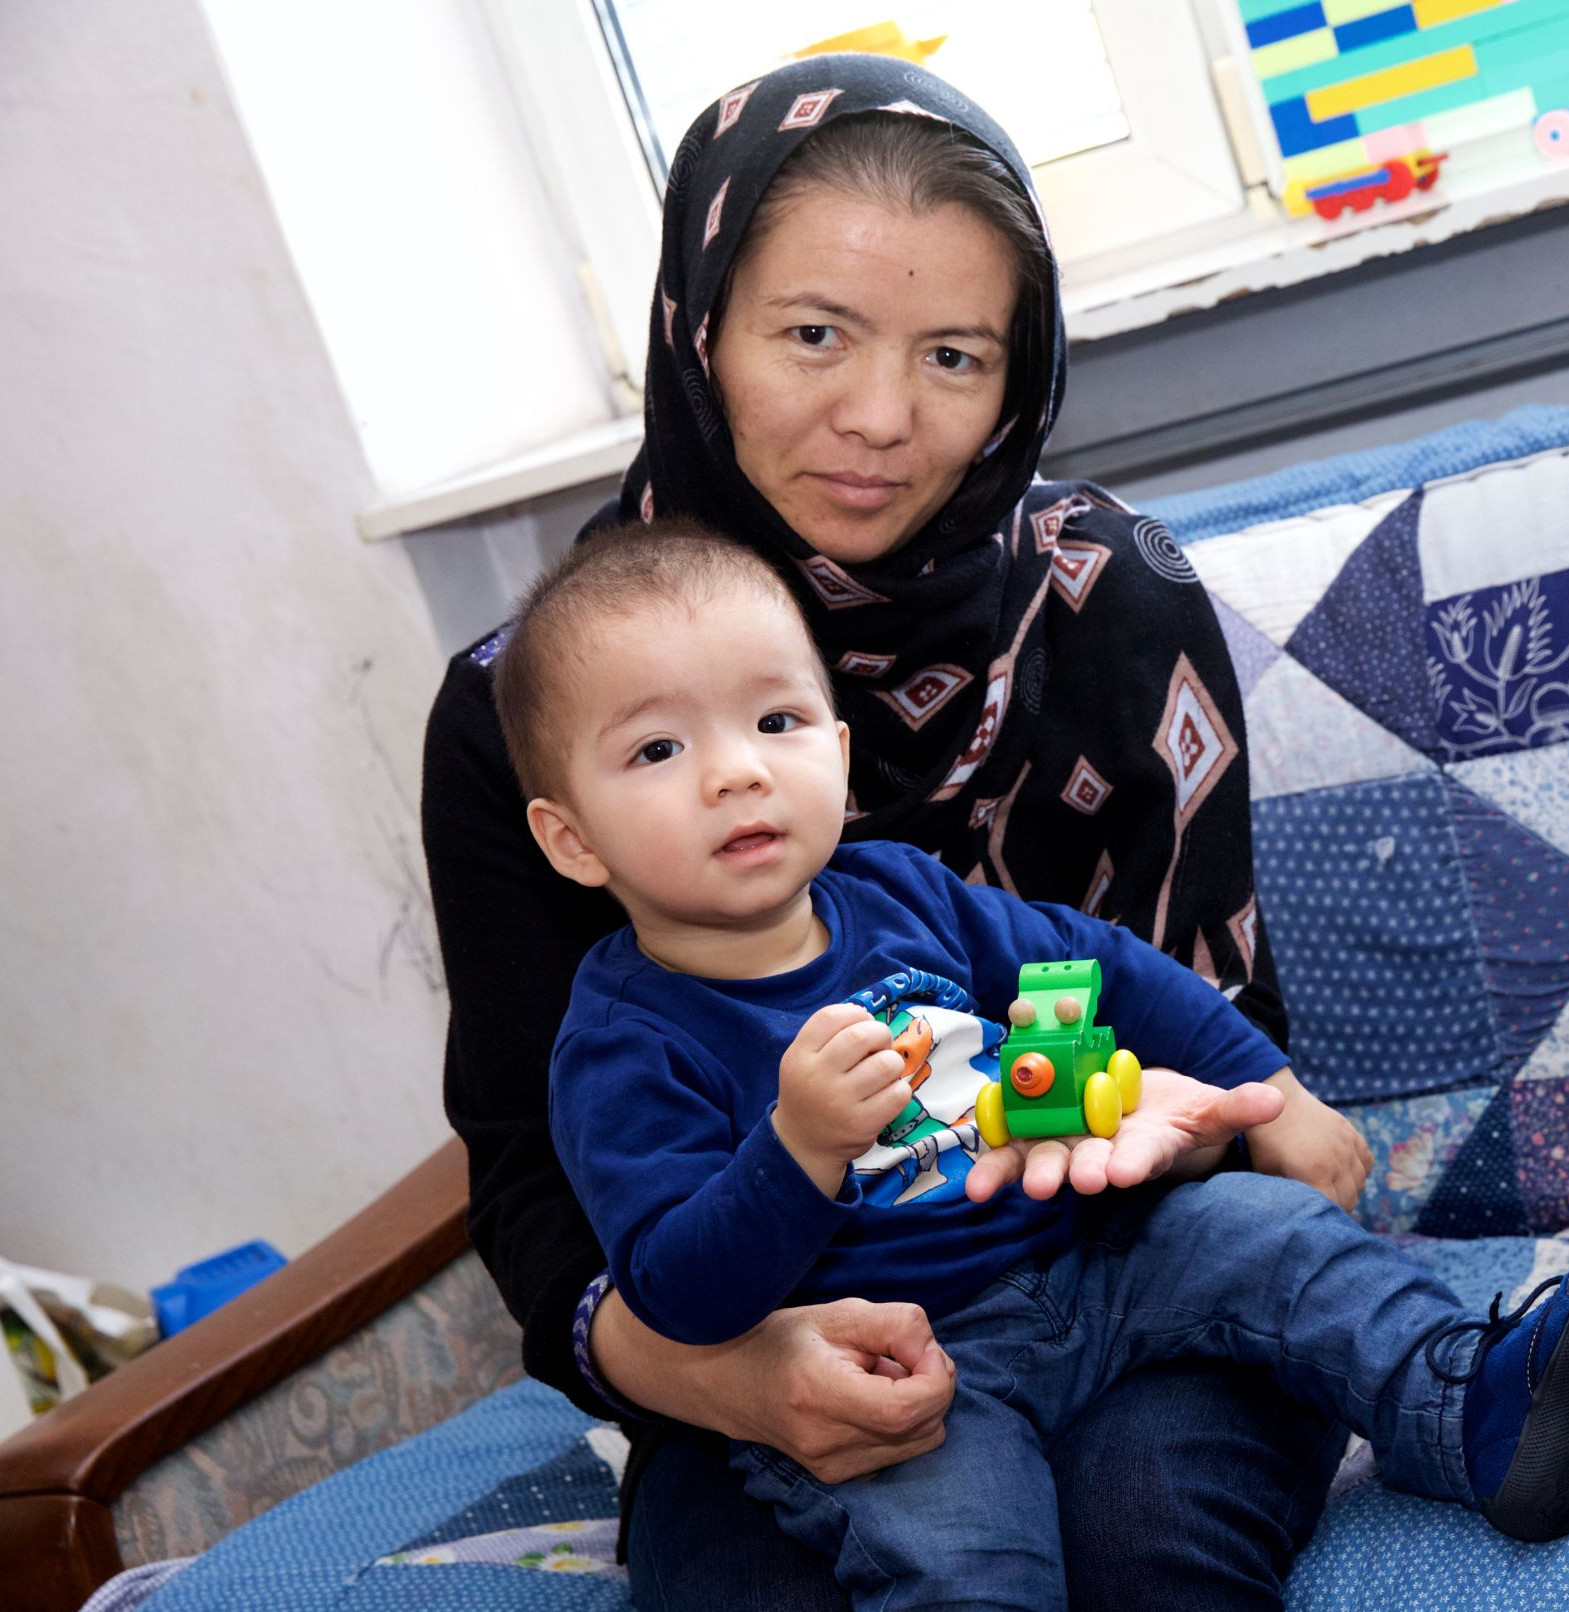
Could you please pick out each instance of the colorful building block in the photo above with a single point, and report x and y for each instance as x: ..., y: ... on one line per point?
x: 1431, y: 13
x: 1392, y: 83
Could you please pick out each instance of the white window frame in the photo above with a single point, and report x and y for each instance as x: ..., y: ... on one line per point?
x: 1174, y: 172
x: 594, y: 169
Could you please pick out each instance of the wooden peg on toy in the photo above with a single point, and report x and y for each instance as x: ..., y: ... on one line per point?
x: 1062, y: 1074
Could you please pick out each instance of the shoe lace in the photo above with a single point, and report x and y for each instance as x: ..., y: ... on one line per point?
x: 1493, y: 1330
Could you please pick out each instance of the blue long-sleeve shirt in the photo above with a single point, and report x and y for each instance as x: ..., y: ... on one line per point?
x: 662, y: 1084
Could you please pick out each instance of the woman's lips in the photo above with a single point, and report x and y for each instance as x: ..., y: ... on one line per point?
x: 869, y: 493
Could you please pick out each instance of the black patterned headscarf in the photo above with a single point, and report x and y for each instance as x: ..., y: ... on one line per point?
x: 1030, y: 734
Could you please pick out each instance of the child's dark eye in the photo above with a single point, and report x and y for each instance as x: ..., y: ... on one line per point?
x: 658, y: 750
x: 778, y: 722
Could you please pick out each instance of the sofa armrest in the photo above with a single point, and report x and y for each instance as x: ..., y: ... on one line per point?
x: 59, y: 1476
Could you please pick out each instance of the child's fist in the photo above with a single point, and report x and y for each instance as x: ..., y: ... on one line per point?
x: 840, y: 1083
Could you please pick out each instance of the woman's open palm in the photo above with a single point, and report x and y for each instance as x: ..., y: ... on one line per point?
x: 1180, y: 1124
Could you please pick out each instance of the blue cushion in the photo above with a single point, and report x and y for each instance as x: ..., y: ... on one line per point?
x: 1348, y: 478
x: 510, y: 1505
x: 1379, y: 1551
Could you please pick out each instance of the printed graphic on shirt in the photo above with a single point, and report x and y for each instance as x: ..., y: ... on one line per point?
x: 949, y: 1054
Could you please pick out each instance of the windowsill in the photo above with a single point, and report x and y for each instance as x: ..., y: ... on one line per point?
x: 1108, y: 296
x: 591, y: 455
x: 1215, y: 263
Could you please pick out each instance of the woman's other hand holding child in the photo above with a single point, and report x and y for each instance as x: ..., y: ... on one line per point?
x: 846, y: 1388
x: 1312, y: 1143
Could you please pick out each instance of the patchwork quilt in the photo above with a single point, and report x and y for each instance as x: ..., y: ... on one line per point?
x: 1405, y: 668
x: 1399, y: 622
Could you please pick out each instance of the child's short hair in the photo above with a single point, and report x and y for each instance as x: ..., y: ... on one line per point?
x: 612, y: 572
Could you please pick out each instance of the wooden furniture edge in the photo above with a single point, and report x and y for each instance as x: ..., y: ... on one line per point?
x: 55, y: 1550
x: 91, y: 1447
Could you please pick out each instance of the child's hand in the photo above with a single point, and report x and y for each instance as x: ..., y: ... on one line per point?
x: 840, y: 1083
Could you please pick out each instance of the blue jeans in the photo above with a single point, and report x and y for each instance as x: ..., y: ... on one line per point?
x: 1186, y: 1487
x: 1246, y: 1268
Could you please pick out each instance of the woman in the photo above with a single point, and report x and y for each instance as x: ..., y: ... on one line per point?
x: 854, y: 369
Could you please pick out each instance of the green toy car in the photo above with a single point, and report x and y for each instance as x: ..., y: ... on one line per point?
x: 1062, y: 1074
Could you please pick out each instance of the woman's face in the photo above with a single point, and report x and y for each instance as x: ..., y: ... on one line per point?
x: 861, y: 363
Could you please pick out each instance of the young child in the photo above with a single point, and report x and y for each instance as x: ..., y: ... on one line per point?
x: 727, y: 1097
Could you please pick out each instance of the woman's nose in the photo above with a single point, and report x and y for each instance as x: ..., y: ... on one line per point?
x: 876, y: 404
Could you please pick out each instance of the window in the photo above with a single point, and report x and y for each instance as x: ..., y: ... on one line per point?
x: 1104, y: 98
x: 470, y: 187
x: 1156, y: 128
x: 1110, y: 99
x: 673, y: 56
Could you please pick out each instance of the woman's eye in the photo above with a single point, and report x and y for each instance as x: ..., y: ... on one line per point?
x: 658, y: 750
x: 952, y: 360
x: 816, y: 335
x: 778, y: 722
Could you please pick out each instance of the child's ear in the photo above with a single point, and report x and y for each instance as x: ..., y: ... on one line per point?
x: 844, y: 744
x: 564, y: 848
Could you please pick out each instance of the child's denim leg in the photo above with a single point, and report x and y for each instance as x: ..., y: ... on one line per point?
x: 1269, y: 1272
x: 972, y: 1524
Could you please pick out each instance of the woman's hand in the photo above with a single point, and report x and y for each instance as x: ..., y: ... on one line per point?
x: 845, y: 1388
x: 1180, y: 1128
x: 1310, y: 1142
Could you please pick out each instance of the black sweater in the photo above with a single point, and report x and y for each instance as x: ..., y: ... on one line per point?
x: 512, y: 934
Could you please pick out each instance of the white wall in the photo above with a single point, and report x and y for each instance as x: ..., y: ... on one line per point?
x: 220, y: 1005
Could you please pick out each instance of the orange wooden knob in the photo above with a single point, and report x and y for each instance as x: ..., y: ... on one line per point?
x: 1033, y: 1074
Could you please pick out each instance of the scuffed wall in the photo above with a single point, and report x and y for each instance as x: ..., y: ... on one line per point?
x: 221, y: 1012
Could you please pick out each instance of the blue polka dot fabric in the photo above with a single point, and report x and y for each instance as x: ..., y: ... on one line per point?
x: 1366, y: 900
x: 575, y: 1487
x: 1377, y: 1550
x: 1518, y: 886
x: 1479, y: 1194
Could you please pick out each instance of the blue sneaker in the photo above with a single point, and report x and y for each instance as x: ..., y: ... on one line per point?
x: 1515, y: 1425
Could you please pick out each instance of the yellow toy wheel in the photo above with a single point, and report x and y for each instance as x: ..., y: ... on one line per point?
x: 1102, y: 1105
x: 990, y: 1119
x: 1128, y: 1072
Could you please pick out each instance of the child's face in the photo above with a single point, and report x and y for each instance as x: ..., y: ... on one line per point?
x: 707, y: 778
